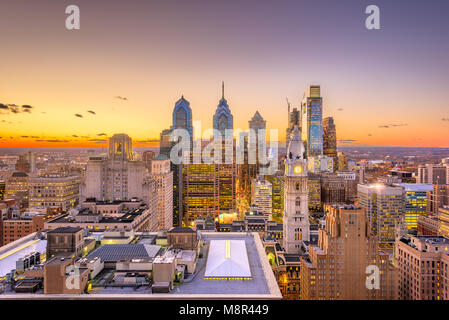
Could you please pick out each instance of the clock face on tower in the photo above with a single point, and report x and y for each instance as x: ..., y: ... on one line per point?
x: 297, y: 169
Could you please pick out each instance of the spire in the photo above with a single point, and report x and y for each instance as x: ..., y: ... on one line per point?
x: 222, y: 89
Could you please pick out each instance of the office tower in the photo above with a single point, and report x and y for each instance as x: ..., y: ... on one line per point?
x: 200, y: 191
x: 296, y: 207
x: 162, y: 174
x: 314, y: 191
x: 2, y: 189
x: 415, y: 202
x: 335, y: 268
x: 164, y: 142
x: 432, y: 173
x: 330, y: 139
x: 443, y: 219
x: 147, y: 157
x: 385, y: 207
x: 338, y: 188
x: 277, y: 185
x: 422, y: 263
x: 319, y: 164
x: 262, y: 196
x: 223, y: 118
x: 311, y: 117
x: 117, y: 177
x: 17, y: 188
x: 437, y: 198
x: 258, y: 125
x: 54, y: 191
x: 182, y: 119
x: 342, y: 162
x: 244, y: 176
x: 294, y: 119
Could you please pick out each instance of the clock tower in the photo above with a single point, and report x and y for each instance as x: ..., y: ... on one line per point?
x: 296, y: 208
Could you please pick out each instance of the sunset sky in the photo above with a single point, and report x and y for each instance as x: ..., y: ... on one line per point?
x: 383, y: 87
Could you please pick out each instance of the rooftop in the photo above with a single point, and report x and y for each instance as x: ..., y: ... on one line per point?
x: 116, y: 252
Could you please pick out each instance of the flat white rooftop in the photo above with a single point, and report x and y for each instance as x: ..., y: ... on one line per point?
x: 227, y: 259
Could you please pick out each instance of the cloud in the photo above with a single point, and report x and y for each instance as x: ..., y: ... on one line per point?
x: 24, y: 136
x: 91, y: 112
x: 52, y: 140
x: 74, y: 136
x: 122, y: 98
x: 340, y: 109
x: 386, y: 126
x: 98, y: 140
x: 78, y: 115
x: 146, y: 141
x: 14, y: 108
x: 101, y: 134
x: 347, y: 140
x: 369, y: 134
x: 445, y: 119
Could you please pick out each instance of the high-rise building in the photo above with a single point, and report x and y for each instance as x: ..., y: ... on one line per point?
x: 147, y: 157
x: 277, y: 185
x: 17, y: 188
x: 54, y: 191
x: 117, y: 177
x: 338, y: 188
x: 443, y: 219
x: 342, y: 162
x: 422, y: 263
x: 314, y: 191
x: 311, y: 117
x: 335, y: 268
x: 164, y: 142
x: 296, y: 208
x: 200, y: 191
x: 319, y: 164
x: 330, y: 139
x: 223, y: 118
x: 294, y: 119
x: 432, y: 173
x: 2, y: 189
x: 385, y: 207
x: 437, y: 198
x: 262, y: 196
x: 415, y: 202
x: 162, y: 174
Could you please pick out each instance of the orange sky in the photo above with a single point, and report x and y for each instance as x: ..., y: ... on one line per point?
x: 396, y: 77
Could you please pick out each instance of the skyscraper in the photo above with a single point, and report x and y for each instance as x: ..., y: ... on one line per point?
x: 296, y: 208
x: 294, y: 119
x: 162, y: 174
x: 385, y: 207
x: 262, y: 196
x: 223, y: 118
x: 335, y: 269
x: 117, y: 177
x: 330, y: 139
x: 415, y: 197
x: 311, y: 117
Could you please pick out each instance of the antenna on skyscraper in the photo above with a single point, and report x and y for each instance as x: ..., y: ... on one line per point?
x: 288, y: 104
x: 222, y: 89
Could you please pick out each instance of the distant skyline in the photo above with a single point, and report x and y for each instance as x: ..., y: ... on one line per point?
x: 131, y: 61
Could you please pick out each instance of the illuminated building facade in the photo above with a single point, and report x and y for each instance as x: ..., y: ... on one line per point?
x: 277, y: 185
x: 2, y: 189
x: 415, y: 202
x: 385, y: 206
x: 335, y: 268
x: 54, y: 191
x: 311, y: 117
x: 330, y: 139
x: 261, y: 196
x: 443, y: 217
x: 437, y: 198
x: 17, y: 188
x: 342, y: 162
x: 294, y: 119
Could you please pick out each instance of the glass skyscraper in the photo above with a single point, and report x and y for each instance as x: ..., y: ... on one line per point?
x: 312, y: 124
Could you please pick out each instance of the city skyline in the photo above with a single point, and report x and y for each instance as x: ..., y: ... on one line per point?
x: 124, y: 69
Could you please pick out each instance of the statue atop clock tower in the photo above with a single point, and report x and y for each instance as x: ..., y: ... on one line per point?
x: 296, y: 208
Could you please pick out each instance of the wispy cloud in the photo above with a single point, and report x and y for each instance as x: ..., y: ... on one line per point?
x: 445, y: 119
x: 386, y: 126
x: 101, y: 134
x: 78, y: 115
x: 122, y: 98
x: 91, y: 112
